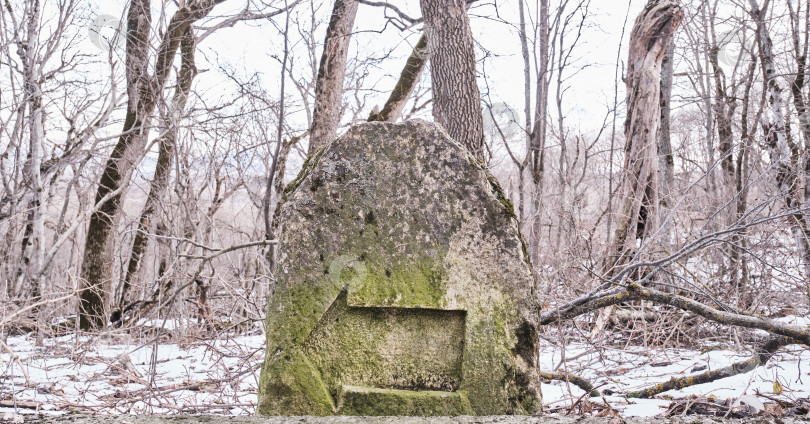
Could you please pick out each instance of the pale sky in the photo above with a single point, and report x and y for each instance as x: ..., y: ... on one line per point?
x: 248, y: 48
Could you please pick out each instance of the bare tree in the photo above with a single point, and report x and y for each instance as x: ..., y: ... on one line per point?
x: 281, y: 147
x: 166, y: 145
x: 801, y: 44
x: 143, y: 90
x: 782, y: 149
x: 46, y: 87
x: 638, y: 215
x: 33, y: 242
x: 537, y: 143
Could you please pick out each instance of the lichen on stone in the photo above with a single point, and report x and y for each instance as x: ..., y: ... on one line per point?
x: 402, y: 282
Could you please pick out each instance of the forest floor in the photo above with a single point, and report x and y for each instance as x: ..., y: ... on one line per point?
x: 109, y: 374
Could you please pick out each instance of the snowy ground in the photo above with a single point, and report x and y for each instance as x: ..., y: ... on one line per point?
x: 102, y: 375
x: 635, y: 369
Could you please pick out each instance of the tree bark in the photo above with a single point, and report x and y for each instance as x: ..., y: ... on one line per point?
x: 331, y: 73
x: 652, y: 34
x: 142, y: 91
x: 405, y: 85
x: 666, y: 160
x: 456, y: 98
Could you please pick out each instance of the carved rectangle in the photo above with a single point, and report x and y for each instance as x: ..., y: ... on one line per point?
x: 413, y: 349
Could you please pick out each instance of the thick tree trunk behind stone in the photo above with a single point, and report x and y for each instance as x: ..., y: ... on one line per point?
x: 456, y: 99
x: 163, y: 168
x: 638, y: 215
x: 331, y: 73
x: 142, y: 92
x: 405, y: 85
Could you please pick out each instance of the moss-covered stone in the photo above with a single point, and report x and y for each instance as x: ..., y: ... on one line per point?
x: 417, y: 349
x: 298, y: 387
x: 403, y: 286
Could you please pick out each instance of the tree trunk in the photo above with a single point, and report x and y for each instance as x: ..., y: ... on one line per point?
x: 331, y: 73
x: 163, y: 169
x: 538, y: 135
x: 527, y: 116
x: 276, y: 175
x: 142, y: 92
x: 26, y: 281
x: 638, y: 217
x: 738, y: 259
x: 456, y: 99
x: 800, y: 51
x: 800, y: 103
x: 783, y: 153
x: 96, y: 274
x: 405, y: 85
x: 724, y: 106
x: 666, y: 160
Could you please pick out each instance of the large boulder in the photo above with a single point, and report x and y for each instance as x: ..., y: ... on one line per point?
x: 403, y: 286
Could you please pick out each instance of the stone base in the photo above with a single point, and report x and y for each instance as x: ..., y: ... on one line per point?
x: 369, y: 401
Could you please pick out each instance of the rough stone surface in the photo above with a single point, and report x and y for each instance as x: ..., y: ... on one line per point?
x: 403, y: 284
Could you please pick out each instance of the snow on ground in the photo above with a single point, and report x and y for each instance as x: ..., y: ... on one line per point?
x: 635, y: 368
x: 71, y: 374
x: 79, y: 374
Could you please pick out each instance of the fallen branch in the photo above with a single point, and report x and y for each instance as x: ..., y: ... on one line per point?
x: 23, y: 404
x: 634, y: 291
x: 584, y: 304
x: 759, y: 358
x: 572, y: 378
x: 19, y: 312
x: 16, y: 358
x: 580, y: 306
